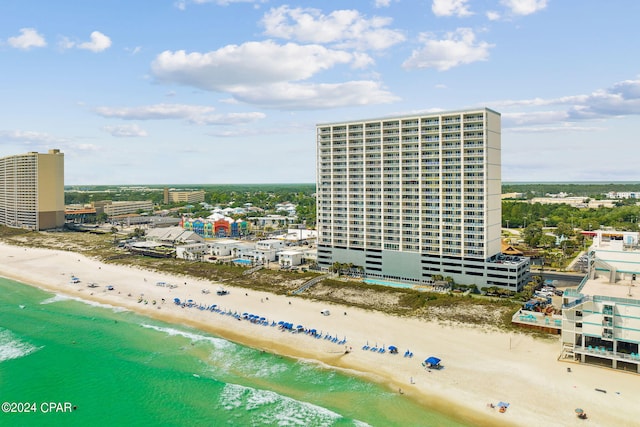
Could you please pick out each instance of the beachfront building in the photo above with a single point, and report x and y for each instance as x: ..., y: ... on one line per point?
x: 32, y: 190
x: 601, y: 318
x: 192, y: 251
x: 172, y: 236
x: 407, y: 198
x: 290, y: 257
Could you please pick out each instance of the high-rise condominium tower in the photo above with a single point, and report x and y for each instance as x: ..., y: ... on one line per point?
x: 409, y: 198
x: 32, y: 190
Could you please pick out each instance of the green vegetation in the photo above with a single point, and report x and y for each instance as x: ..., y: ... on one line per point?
x: 263, y: 196
x: 591, y: 190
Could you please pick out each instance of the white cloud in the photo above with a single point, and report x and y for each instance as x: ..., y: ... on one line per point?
x: 381, y: 3
x: 457, y: 48
x: 316, y: 96
x: 133, y: 50
x: 342, y: 28
x: 29, y: 137
x: 196, y: 114
x: 27, y: 39
x: 98, y: 43
x: 155, y: 112
x: 229, y: 119
x: 524, y: 7
x: 125, y: 131
x: 622, y: 99
x: 249, y: 64
x: 493, y: 15
x: 268, y: 74
x: 458, y: 8
x: 182, y: 4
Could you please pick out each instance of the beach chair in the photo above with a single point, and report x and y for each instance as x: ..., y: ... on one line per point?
x: 590, y: 349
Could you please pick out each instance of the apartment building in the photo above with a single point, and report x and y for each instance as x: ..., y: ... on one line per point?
x: 183, y: 196
x: 112, y: 208
x: 32, y: 190
x: 601, y: 319
x: 407, y: 198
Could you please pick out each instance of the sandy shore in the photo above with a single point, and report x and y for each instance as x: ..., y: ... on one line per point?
x: 480, y: 366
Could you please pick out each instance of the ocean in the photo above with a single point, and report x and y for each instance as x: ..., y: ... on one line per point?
x: 68, y: 362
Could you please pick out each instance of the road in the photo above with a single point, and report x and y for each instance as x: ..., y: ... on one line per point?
x: 564, y: 279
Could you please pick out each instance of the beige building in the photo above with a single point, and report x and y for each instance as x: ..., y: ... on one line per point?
x: 183, y: 196
x: 32, y: 190
x: 123, y: 207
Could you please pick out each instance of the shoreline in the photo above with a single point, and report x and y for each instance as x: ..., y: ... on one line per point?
x: 480, y: 366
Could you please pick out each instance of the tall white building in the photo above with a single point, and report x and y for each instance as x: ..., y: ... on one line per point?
x: 32, y: 190
x: 407, y: 198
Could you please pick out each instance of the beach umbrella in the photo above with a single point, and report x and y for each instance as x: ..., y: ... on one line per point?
x: 432, y: 360
x: 281, y: 322
x: 579, y: 410
x: 392, y: 348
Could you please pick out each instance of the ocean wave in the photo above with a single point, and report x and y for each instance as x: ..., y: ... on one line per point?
x: 244, y: 361
x: 12, y: 348
x: 219, y: 343
x: 270, y: 408
x: 62, y: 297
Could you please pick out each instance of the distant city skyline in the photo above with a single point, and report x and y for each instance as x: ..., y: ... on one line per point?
x: 230, y: 91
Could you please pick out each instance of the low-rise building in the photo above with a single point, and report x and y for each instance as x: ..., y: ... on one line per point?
x: 192, y: 251
x: 173, y: 196
x: 601, y: 318
x: 290, y: 258
x: 173, y: 236
x: 112, y: 208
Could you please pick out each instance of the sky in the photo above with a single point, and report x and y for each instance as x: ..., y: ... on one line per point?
x: 230, y: 91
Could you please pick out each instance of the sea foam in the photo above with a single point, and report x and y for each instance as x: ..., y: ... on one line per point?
x: 61, y: 297
x: 12, y: 348
x: 276, y: 409
x: 219, y: 343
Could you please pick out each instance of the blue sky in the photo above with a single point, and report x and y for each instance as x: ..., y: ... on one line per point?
x: 230, y: 91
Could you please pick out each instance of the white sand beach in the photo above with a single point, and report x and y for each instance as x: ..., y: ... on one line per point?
x: 480, y: 366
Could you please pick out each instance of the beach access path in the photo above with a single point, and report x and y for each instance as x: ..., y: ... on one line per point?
x: 481, y: 366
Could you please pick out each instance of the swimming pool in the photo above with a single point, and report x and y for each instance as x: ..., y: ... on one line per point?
x: 391, y: 284
x: 242, y: 261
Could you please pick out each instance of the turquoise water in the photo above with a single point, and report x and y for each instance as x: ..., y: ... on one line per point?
x: 72, y: 363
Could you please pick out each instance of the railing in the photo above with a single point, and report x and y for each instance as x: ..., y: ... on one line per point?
x: 603, y: 352
x: 310, y: 283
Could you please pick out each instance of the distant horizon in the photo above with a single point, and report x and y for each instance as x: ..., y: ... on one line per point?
x: 313, y: 183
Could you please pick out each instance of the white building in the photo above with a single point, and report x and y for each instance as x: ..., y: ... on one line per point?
x: 268, y: 244
x: 406, y: 198
x: 192, y: 251
x: 224, y: 247
x: 290, y: 258
x: 173, y: 235
x: 601, y: 319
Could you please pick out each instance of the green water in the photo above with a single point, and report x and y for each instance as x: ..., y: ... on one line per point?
x: 103, y: 366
